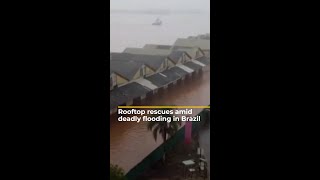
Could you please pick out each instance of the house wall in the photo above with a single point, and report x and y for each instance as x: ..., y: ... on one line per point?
x: 183, y: 59
x: 179, y: 61
x: 199, y: 54
x: 162, y: 67
x: 187, y: 58
x: 121, y: 80
x: 113, y: 81
x: 170, y: 64
x: 137, y: 75
x: 193, y: 53
x: 149, y: 71
x: 167, y: 63
x: 207, y: 53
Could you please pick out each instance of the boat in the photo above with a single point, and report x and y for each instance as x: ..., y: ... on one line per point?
x: 158, y: 22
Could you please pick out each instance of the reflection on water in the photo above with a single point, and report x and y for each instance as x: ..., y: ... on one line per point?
x: 130, y: 142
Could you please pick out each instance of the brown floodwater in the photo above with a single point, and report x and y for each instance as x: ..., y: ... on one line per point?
x: 131, y: 142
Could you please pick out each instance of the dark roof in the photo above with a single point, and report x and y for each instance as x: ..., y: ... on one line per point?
x: 126, y: 93
x: 117, y: 98
x: 192, y: 65
x: 175, y: 48
x: 125, y: 69
x: 158, y: 46
x: 171, y: 74
x: 176, y: 55
x: 201, y: 43
x: 167, y: 76
x: 164, y: 46
x: 133, y: 90
x: 204, y: 60
x: 153, y: 61
x: 179, y: 71
x: 158, y: 80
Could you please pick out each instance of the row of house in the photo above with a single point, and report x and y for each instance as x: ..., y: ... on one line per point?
x: 136, y: 73
x: 201, y: 36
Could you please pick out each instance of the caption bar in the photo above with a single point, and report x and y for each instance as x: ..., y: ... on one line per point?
x: 158, y: 113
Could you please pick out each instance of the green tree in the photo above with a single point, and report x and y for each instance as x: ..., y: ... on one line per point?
x: 164, y: 128
x: 116, y: 173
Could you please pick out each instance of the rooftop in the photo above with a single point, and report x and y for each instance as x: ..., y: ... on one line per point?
x: 179, y: 71
x: 131, y: 68
x: 153, y: 61
x: 202, y: 43
x: 158, y: 79
x: 126, y: 93
x: 148, y: 51
x: 192, y: 65
x: 117, y: 98
x: 176, y: 55
x: 158, y: 46
x: 133, y: 90
x: 171, y: 74
x: 204, y: 60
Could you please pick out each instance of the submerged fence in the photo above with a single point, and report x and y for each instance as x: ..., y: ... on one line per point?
x: 157, y: 154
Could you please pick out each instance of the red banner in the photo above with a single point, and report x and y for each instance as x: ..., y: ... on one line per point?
x: 188, y: 131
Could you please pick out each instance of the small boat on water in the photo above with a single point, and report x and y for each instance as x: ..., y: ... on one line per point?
x: 158, y: 22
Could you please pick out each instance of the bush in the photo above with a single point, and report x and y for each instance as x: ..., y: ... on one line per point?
x: 116, y: 173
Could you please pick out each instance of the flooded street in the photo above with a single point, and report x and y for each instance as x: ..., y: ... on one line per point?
x: 130, y: 142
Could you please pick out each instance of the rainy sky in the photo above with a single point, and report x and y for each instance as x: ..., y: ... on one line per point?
x: 203, y: 5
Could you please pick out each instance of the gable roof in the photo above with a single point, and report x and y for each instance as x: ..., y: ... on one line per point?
x: 179, y: 71
x: 148, y: 51
x: 152, y: 61
x: 126, y: 93
x: 158, y: 80
x: 176, y: 55
x: 201, y: 36
x: 125, y: 69
x: 204, y: 60
x: 117, y: 98
x: 172, y: 75
x: 167, y: 76
x: 173, y: 52
x: 189, y: 50
x: 202, y: 43
x: 133, y: 90
x: 158, y: 46
x: 123, y: 94
x: 193, y: 65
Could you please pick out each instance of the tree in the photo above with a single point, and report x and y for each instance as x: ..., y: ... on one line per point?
x: 116, y: 173
x: 164, y: 128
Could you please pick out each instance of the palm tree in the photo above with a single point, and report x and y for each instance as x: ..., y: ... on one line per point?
x: 164, y: 128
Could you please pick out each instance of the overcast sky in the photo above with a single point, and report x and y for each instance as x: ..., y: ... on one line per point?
x: 160, y: 4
